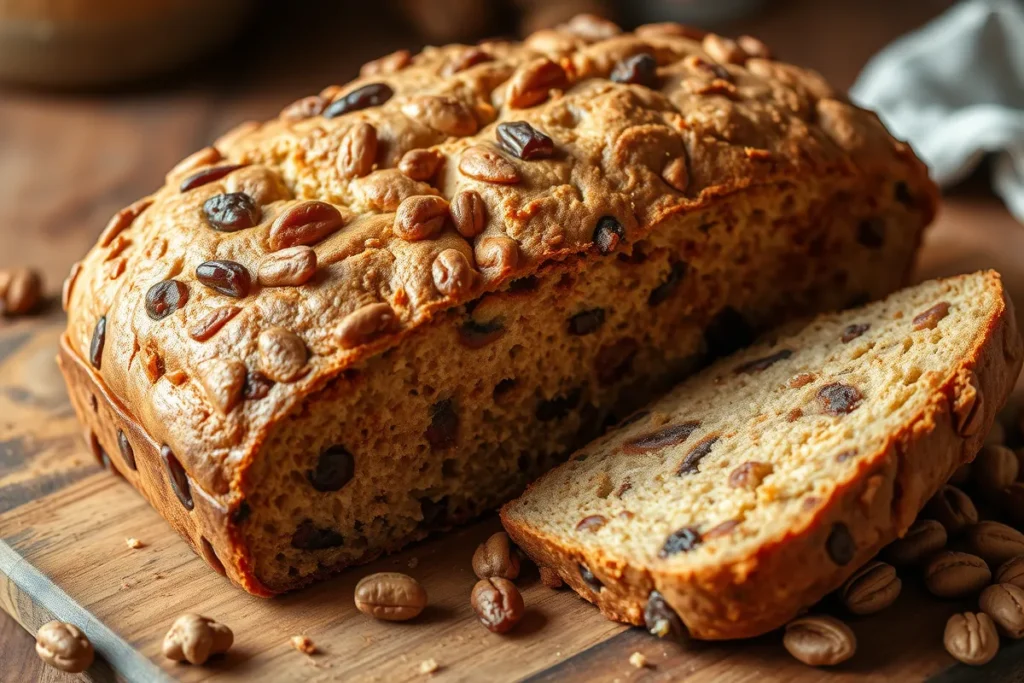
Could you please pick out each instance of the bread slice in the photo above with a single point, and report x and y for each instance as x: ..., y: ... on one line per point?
x: 761, y: 484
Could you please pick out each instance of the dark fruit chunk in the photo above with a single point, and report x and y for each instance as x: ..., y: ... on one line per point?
x: 662, y: 621
x: 608, y: 233
x: 207, y: 175
x: 615, y: 360
x: 668, y: 436
x: 638, y: 69
x: 503, y: 387
x: 728, y: 332
x: 227, y: 277
x: 589, y: 578
x: 840, y: 545
x: 476, y: 335
x: 178, y: 477
x: 871, y: 233
x: 586, y: 322
x: 444, y: 425
x: 372, y: 95
x: 683, y: 540
x: 524, y: 141
x: 692, y: 461
x: 930, y: 318
x: 257, y: 386
x: 663, y: 291
x: 127, y: 452
x: 838, y: 398
x: 99, y: 338
x: 241, y: 513
x: 164, y: 298
x: 558, y: 407
x: 309, y: 537
x: 762, y: 364
x: 231, y: 212
x: 524, y: 284
x: 334, y: 468
x: 851, y: 332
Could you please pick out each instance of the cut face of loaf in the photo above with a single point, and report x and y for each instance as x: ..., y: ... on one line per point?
x: 758, y: 486
x: 386, y: 310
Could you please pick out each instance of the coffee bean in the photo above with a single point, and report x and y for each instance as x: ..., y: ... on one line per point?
x: 372, y: 95
x: 681, y: 540
x: 924, y: 538
x: 692, y: 460
x: 231, y: 212
x: 444, y: 425
x: 358, y: 151
x: 420, y: 217
x: 1011, y: 502
x: 496, y: 557
x: 304, y: 223
x: 994, y: 468
x: 639, y: 69
x: 607, y: 235
x: 586, y: 322
x: 524, y: 141
x: 309, y: 537
x: 662, y: 621
x: 971, y: 638
x: 558, y: 407
x: 839, y: 399
x: 227, y: 277
x: 177, y: 476
x: 207, y: 175
x: 871, y: 588
x: 469, y: 213
x: 952, y: 508
x: 952, y: 574
x: 164, y: 298
x: 662, y: 292
x: 762, y: 364
x: 994, y: 542
x: 1004, y: 603
x: 588, y: 578
x: 819, y: 640
x: 664, y: 437
x: 390, y: 596
x: 334, y: 468
x: 65, y: 647
x: 840, y: 544
x: 497, y: 603
x: 20, y: 291
x: 127, y: 452
x: 99, y: 339
x: 851, y: 332
x: 1011, y: 571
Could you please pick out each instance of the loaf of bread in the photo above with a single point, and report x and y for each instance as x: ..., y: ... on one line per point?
x: 387, y: 310
x: 758, y: 486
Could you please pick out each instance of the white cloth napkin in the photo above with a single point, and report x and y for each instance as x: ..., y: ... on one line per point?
x: 955, y: 90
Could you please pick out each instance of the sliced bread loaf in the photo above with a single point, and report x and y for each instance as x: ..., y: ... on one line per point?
x: 758, y: 486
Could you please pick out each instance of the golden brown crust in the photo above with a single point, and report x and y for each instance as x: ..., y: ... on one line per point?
x: 398, y: 241
x: 761, y: 592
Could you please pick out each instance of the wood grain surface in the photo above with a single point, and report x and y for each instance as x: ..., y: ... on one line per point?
x: 70, y: 161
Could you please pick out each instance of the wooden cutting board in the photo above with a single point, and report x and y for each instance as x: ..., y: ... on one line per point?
x: 64, y: 522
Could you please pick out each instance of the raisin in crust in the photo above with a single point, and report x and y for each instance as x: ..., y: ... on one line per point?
x: 409, y: 252
x: 780, y: 512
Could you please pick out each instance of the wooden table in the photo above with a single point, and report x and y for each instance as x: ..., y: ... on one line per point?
x: 69, y: 161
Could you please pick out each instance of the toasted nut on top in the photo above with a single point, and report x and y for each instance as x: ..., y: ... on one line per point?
x: 64, y: 646
x: 194, y: 638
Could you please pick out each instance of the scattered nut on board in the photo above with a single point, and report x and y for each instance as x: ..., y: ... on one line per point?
x: 638, y: 660
x: 20, y: 291
x: 303, y: 644
x: 497, y: 603
x: 194, y: 639
x: 429, y: 666
x: 496, y: 557
x: 1004, y: 603
x: 64, y: 646
x: 971, y: 638
x: 952, y: 574
x: 134, y: 543
x: 390, y: 596
x: 819, y: 640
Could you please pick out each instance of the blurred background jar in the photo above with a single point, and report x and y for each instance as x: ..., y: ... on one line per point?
x: 706, y: 13
x: 87, y: 43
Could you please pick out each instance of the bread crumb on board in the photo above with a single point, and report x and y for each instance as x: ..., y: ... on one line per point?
x: 303, y: 644
x: 429, y: 666
x: 638, y: 660
x: 134, y: 543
